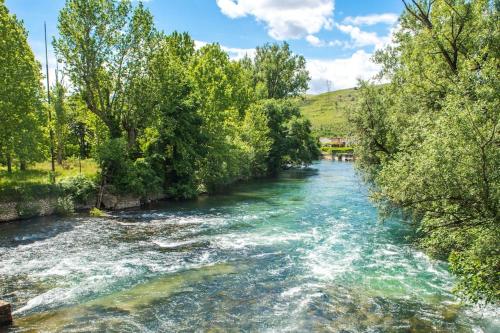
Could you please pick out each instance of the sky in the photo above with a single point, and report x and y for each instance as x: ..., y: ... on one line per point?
x: 337, y: 37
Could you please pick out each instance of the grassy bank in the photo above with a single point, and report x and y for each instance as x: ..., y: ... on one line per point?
x: 35, y: 182
x: 39, y: 173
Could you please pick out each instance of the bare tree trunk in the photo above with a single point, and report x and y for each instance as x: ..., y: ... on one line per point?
x: 9, y: 163
x: 101, y: 192
x: 132, y: 136
x: 59, y: 154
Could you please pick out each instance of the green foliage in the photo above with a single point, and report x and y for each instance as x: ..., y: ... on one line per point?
x: 428, y: 141
x: 337, y: 150
x: 126, y: 176
x: 65, y: 206
x: 81, y: 188
x: 158, y: 115
x: 105, y: 45
x: 96, y: 212
x: 173, y: 141
x: 28, y: 192
x: 278, y: 73
x: 27, y: 209
x: 255, y: 134
x: 290, y: 135
x: 21, y: 112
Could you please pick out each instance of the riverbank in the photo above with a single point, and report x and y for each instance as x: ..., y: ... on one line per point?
x: 57, y: 201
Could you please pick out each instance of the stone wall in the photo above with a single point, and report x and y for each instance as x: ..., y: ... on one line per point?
x: 10, y: 211
x: 114, y: 202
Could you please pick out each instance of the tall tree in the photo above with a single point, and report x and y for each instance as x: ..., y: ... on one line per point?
x: 20, y: 93
x: 172, y: 141
x: 105, y: 45
x: 223, y: 97
x: 290, y: 135
x: 278, y: 72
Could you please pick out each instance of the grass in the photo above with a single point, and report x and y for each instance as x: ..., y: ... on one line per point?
x: 329, y: 112
x: 39, y: 173
x: 337, y: 150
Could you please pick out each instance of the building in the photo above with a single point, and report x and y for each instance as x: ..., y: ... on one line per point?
x: 334, y: 142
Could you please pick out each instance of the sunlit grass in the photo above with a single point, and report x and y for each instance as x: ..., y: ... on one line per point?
x: 329, y: 112
x: 39, y: 173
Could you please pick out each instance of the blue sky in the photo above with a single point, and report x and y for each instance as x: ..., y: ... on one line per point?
x: 337, y: 37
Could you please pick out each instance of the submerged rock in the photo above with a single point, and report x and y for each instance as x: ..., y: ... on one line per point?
x: 5, y: 314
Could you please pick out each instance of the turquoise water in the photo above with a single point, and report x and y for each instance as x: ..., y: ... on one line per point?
x: 303, y: 253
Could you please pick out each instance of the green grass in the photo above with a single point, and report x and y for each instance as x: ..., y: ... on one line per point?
x: 39, y: 173
x: 329, y: 112
x: 337, y: 150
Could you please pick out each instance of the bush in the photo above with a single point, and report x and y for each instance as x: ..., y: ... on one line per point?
x: 126, y: 176
x: 337, y: 150
x: 80, y: 188
x: 27, y: 209
x: 96, y: 212
x: 28, y: 192
x: 65, y: 206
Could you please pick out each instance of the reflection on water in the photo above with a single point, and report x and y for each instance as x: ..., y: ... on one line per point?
x: 298, y: 254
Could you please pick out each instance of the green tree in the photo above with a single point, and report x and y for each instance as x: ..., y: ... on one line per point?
x: 278, y: 73
x: 105, y: 45
x: 21, y: 112
x: 61, y: 127
x: 173, y: 141
x: 290, y: 135
x: 222, y: 94
x: 428, y: 140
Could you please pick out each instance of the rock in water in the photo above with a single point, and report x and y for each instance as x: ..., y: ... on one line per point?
x: 5, y: 314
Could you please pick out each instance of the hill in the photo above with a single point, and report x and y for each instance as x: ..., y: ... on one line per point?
x: 328, y: 112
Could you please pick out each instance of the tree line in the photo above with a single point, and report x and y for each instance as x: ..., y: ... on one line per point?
x: 428, y: 140
x: 157, y: 113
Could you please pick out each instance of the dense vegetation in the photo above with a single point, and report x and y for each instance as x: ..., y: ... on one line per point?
x: 428, y: 141
x: 329, y: 112
x: 157, y: 114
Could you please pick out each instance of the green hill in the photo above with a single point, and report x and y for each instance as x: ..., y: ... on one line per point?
x: 328, y: 112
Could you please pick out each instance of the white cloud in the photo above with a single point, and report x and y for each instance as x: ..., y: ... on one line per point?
x: 314, y: 41
x: 198, y: 44
x: 237, y: 53
x: 386, y: 18
x: 362, y: 38
x: 284, y: 19
x: 234, y: 53
x: 342, y: 72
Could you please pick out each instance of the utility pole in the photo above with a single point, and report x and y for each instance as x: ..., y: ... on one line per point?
x: 51, y: 131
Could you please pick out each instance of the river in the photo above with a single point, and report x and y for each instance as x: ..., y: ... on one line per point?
x: 303, y: 253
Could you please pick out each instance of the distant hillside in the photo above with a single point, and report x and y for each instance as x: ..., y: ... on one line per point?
x: 328, y: 112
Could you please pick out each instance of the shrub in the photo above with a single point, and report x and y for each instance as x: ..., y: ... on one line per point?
x: 126, y: 176
x: 27, y: 209
x: 96, y: 212
x: 28, y: 192
x: 80, y: 188
x: 65, y: 206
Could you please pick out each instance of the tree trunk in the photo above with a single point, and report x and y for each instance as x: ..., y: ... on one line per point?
x: 59, y: 153
x: 115, y: 131
x: 101, y: 190
x: 132, y: 136
x: 9, y: 163
x: 22, y: 165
